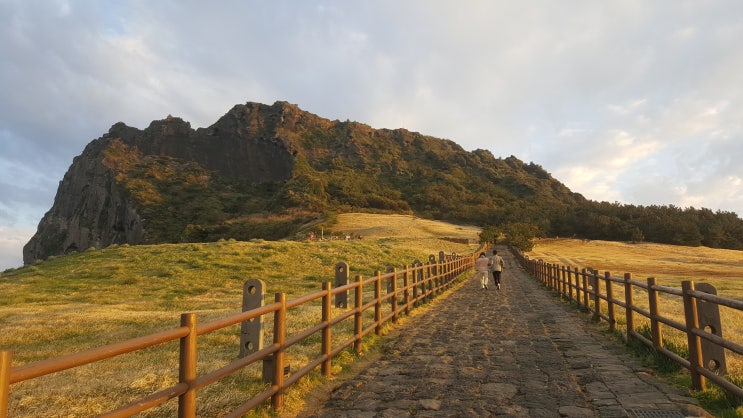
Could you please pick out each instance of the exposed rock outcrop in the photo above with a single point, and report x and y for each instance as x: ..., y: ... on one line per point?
x: 93, y: 209
x: 90, y: 210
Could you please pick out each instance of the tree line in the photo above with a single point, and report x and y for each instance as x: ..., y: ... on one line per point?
x: 664, y: 224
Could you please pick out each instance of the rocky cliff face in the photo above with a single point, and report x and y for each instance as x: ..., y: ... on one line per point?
x: 95, y: 208
x: 90, y: 210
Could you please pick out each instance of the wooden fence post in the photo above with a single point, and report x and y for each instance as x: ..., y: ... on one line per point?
x: 417, y: 279
x: 629, y: 312
x: 538, y: 270
x: 555, y: 277
x: 585, y: 288
x: 447, y: 265
x: 533, y: 268
x: 187, y: 367
x: 654, y: 306
x: 279, y: 338
x: 698, y: 382
x: 433, y: 277
x: 445, y: 269
x: 555, y: 273
x: 570, y: 284
x: 610, y: 301
x: 577, y: 285
x: 393, y: 291
x: 378, y: 303
x: 406, y: 286
x: 596, y: 293
x: 327, y: 342
x: 442, y: 264
x: 543, y: 273
x: 5, y: 363
x: 358, y: 323
x: 428, y: 286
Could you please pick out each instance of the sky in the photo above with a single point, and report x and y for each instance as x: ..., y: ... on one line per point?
x: 630, y: 101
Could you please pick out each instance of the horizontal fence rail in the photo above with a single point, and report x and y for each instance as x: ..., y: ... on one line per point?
x: 701, y: 318
x: 404, y: 290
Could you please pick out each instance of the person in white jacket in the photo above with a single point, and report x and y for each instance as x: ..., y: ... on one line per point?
x: 482, y: 267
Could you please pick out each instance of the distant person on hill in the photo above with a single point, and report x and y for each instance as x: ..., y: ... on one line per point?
x: 482, y: 265
x: 496, y: 267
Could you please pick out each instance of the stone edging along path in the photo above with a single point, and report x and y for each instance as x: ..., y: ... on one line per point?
x: 518, y: 352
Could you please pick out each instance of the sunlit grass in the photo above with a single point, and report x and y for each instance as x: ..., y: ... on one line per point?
x: 85, y: 300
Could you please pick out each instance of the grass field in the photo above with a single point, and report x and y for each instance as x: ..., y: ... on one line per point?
x: 669, y: 265
x: 67, y: 304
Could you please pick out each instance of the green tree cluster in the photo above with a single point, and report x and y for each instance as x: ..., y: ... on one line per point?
x: 662, y: 224
x: 519, y: 235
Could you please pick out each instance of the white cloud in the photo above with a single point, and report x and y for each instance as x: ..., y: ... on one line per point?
x: 628, y: 108
x: 11, y: 240
x: 638, y: 102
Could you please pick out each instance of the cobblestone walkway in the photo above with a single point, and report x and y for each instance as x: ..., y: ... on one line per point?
x: 515, y: 352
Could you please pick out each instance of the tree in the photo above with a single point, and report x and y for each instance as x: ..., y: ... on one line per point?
x: 521, y: 235
x: 490, y: 234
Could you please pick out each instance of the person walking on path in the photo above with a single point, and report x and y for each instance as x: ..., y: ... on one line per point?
x: 482, y: 266
x: 496, y: 268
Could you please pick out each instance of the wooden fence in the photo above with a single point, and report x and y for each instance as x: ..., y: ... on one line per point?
x: 406, y: 289
x: 701, y: 311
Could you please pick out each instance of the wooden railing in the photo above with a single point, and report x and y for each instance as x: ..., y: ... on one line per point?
x: 702, y: 326
x: 407, y: 288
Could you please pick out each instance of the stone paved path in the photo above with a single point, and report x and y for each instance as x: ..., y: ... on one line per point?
x: 516, y: 352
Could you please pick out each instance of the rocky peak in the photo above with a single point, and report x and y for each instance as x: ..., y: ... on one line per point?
x: 93, y: 209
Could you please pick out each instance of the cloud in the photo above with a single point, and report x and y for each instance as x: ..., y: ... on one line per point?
x: 637, y: 102
x: 11, y: 239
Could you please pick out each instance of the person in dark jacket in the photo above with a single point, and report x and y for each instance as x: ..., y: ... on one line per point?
x: 496, y: 268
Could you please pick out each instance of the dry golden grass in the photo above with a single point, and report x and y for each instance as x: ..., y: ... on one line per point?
x: 401, y: 226
x: 68, y: 304
x: 670, y: 265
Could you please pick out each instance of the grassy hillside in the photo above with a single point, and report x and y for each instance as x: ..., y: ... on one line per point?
x: 89, y: 299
